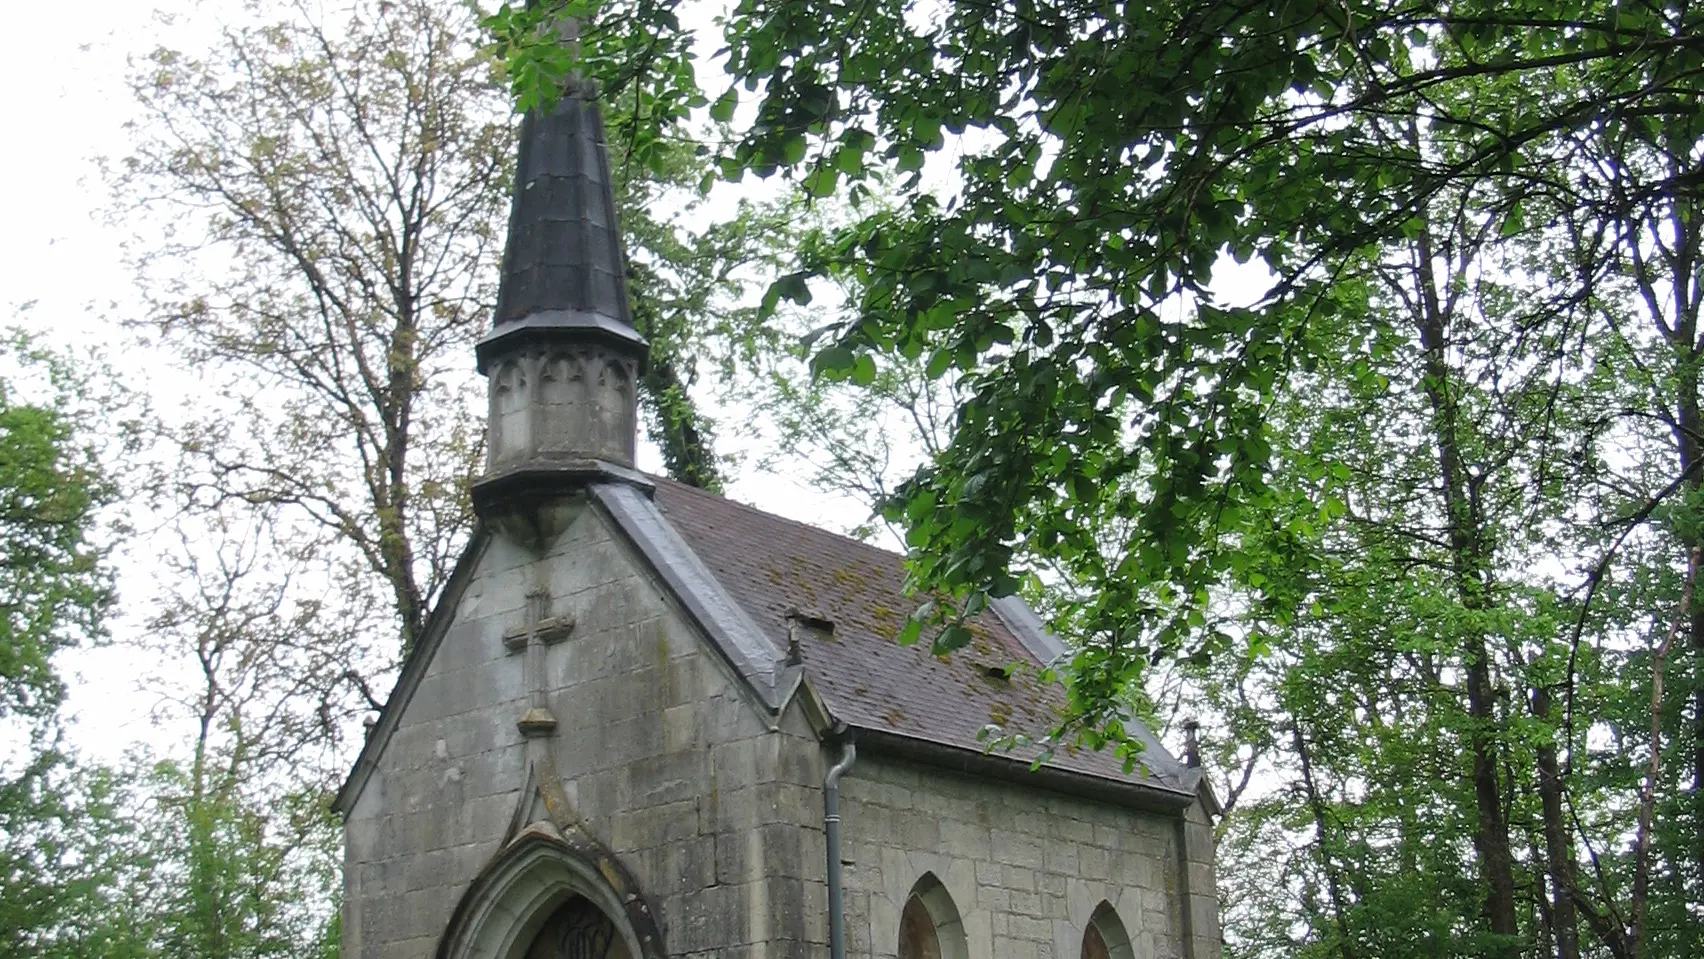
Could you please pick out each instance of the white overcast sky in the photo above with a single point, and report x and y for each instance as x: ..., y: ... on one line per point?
x: 63, y: 105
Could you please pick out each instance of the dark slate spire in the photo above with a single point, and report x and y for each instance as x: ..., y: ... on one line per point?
x: 562, y: 358
x: 563, y: 267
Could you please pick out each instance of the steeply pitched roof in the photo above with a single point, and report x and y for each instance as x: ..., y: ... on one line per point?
x: 741, y: 574
x: 564, y: 277
x: 778, y: 569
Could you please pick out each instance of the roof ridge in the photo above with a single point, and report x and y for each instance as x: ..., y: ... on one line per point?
x: 706, y: 494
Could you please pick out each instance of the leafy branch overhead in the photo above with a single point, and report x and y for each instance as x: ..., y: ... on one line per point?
x: 1340, y: 362
x: 1107, y: 158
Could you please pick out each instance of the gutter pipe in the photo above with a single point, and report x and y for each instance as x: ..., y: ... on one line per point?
x: 831, y: 831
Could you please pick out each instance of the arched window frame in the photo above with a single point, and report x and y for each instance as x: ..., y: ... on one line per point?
x: 517, y: 893
x: 1112, y: 932
x: 943, y: 914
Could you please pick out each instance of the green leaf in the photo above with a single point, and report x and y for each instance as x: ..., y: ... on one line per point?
x: 823, y: 181
x: 951, y: 638
x: 794, y: 287
x: 834, y: 361
x: 722, y: 111
x: 864, y: 370
x: 939, y: 362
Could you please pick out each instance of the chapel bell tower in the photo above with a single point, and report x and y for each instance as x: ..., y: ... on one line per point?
x: 562, y: 359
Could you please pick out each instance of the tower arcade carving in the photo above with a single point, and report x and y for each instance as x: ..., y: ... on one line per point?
x: 563, y: 402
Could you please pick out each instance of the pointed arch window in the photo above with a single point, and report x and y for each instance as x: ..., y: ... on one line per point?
x: 1105, y: 937
x: 929, y: 924
x: 917, y: 936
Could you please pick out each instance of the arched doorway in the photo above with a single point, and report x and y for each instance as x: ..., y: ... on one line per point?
x: 543, y: 897
x: 578, y: 930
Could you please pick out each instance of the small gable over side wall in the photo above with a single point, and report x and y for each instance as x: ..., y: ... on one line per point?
x: 661, y: 755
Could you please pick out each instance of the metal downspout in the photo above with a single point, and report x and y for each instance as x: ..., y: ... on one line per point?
x: 831, y: 831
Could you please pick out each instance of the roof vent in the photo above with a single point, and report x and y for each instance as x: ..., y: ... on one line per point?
x: 821, y: 626
x: 813, y: 622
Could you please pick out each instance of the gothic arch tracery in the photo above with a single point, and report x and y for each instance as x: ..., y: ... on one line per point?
x: 510, y: 400
x: 562, y: 400
x: 614, y: 388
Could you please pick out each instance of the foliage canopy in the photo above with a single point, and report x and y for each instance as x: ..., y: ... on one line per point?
x: 1465, y: 399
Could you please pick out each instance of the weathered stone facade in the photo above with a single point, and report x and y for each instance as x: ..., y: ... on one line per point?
x: 662, y: 759
x: 1026, y: 868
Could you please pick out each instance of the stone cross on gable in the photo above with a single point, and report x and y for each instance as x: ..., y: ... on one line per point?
x: 530, y: 638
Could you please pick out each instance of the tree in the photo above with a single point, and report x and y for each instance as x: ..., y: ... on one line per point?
x: 68, y: 863
x: 338, y: 183
x: 1352, y: 715
x: 54, y: 589
x: 1123, y: 426
x: 337, y: 192
x: 63, y: 845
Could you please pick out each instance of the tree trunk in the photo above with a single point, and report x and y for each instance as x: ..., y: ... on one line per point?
x: 1688, y: 432
x: 1688, y: 429
x: 1316, y: 805
x: 687, y: 453
x: 1558, y: 852
x: 1469, y: 564
x: 680, y: 430
x: 1637, y: 938
x: 1670, y: 281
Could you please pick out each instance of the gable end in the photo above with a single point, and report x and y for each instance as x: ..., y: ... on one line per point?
x: 730, y: 629
x: 413, y: 669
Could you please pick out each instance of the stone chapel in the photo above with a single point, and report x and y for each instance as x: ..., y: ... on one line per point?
x: 645, y: 721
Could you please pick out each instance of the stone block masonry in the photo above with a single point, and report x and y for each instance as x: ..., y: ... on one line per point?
x: 660, y: 749
x: 1026, y: 868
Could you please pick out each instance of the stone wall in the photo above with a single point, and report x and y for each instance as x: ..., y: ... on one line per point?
x: 1026, y: 868
x: 715, y: 807
x: 660, y: 751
